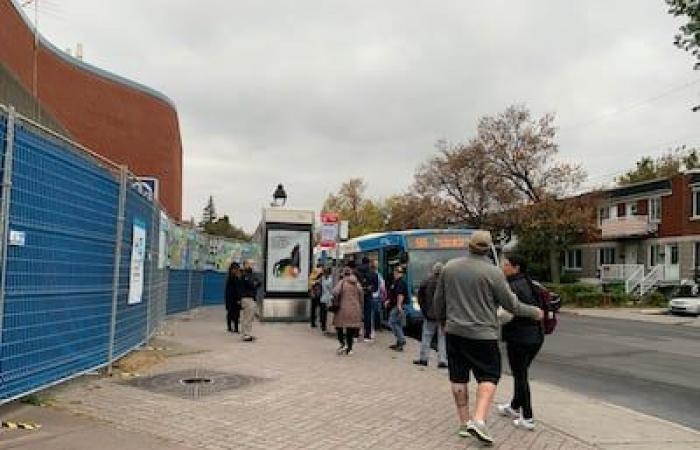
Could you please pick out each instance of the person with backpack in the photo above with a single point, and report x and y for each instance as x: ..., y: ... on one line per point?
x: 524, y: 338
x: 369, y: 281
x: 426, y: 292
x: 469, y: 291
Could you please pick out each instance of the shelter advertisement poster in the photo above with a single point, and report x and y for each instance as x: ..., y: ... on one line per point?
x: 288, y: 260
x: 138, y: 256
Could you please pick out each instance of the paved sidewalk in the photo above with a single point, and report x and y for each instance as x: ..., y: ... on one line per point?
x: 302, y: 396
x: 653, y: 315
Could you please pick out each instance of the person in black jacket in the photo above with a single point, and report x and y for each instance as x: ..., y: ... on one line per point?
x: 524, y: 338
x: 232, y: 295
x: 369, y: 281
x: 249, y: 295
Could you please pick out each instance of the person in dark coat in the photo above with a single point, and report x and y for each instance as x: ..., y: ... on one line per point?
x: 426, y: 292
x: 249, y: 294
x: 524, y: 338
x: 232, y: 295
x: 369, y: 281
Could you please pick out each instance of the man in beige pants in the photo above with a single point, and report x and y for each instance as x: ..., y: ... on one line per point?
x: 250, y: 286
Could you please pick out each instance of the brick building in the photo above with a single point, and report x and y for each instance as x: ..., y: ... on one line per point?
x: 649, y: 234
x: 124, y: 121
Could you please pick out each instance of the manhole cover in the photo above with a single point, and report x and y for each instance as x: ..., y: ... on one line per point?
x: 193, y: 384
x: 198, y: 380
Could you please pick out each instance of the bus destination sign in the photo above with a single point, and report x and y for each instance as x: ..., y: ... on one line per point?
x: 434, y: 241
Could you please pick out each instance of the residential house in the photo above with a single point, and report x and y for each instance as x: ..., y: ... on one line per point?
x: 649, y: 235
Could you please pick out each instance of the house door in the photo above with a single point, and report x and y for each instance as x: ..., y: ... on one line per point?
x: 672, y: 269
x: 631, y: 253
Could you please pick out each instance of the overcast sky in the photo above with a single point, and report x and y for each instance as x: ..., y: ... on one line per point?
x: 311, y: 93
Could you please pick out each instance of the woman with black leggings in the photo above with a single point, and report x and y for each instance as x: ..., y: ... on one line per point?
x: 524, y: 338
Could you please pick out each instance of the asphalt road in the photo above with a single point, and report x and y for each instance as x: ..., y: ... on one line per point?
x: 647, y: 367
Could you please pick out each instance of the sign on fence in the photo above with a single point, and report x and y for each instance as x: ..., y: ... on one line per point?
x: 138, y: 255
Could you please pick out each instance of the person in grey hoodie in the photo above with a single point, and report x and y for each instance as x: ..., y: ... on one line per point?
x: 467, y: 297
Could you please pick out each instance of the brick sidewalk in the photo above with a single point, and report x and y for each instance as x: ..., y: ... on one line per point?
x: 306, y: 396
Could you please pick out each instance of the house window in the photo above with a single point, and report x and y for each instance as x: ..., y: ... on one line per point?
x: 606, y: 256
x: 632, y: 209
x: 656, y: 255
x: 696, y: 202
x: 603, y: 214
x: 655, y: 209
x: 573, y: 260
x: 621, y: 210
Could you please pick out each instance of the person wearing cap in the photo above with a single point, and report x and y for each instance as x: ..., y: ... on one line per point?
x: 249, y: 294
x: 426, y: 292
x: 398, y: 293
x: 469, y: 291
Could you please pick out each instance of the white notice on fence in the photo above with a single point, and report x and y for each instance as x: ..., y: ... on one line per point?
x: 138, y: 255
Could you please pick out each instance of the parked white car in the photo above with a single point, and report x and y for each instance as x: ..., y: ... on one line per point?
x: 685, y: 305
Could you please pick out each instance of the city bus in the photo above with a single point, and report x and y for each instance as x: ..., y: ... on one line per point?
x: 416, y: 250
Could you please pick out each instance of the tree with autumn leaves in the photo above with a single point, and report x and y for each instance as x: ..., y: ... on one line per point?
x: 505, y: 179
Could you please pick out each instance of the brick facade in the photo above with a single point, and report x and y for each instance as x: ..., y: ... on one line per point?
x: 119, y: 119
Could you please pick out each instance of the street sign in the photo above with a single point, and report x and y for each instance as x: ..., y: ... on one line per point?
x: 344, y: 230
x: 329, y: 229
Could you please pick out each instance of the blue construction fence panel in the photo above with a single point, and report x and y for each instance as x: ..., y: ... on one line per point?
x: 58, y: 292
x: 178, y: 287
x: 134, y: 274
x: 196, y: 289
x: 214, y: 284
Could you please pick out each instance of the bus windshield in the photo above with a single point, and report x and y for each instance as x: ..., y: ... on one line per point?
x: 421, y: 262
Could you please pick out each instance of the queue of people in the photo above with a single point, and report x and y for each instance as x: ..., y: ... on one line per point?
x: 459, y: 302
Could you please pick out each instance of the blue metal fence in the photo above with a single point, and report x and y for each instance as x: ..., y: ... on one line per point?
x: 58, y: 305
x: 178, y: 287
x: 214, y: 284
x: 58, y: 292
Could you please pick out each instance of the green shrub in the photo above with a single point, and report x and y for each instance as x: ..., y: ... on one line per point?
x: 568, y: 278
x: 655, y: 299
x: 588, y: 299
x: 575, y: 294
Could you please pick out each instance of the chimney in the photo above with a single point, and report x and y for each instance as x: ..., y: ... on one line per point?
x: 79, y: 51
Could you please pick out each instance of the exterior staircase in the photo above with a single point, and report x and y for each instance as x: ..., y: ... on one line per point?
x: 636, y: 281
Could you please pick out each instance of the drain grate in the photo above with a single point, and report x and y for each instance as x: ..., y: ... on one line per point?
x: 192, y: 384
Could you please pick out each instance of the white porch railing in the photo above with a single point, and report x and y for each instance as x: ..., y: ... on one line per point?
x: 634, y: 280
x: 657, y: 273
x: 618, y: 272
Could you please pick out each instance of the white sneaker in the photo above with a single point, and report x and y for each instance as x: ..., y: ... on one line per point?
x: 340, y: 351
x: 528, y: 424
x: 504, y: 409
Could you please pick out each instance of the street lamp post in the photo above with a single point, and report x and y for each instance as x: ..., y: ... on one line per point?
x: 279, y: 198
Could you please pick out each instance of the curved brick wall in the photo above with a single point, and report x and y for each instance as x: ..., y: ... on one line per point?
x: 122, y: 120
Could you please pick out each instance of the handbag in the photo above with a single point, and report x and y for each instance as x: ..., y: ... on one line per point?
x: 335, y: 301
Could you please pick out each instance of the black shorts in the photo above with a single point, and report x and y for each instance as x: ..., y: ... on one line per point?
x: 482, y: 357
